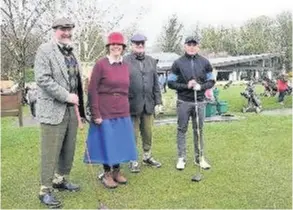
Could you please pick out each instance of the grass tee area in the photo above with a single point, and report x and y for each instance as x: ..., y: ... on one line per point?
x: 251, y: 166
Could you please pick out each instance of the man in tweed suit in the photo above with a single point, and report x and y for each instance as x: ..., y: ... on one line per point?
x: 59, y: 90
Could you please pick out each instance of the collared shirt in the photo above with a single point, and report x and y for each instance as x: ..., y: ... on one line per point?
x: 112, y: 61
x: 71, y: 63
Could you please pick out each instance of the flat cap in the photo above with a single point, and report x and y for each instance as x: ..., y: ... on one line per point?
x: 191, y: 39
x: 63, y: 22
x: 138, y: 38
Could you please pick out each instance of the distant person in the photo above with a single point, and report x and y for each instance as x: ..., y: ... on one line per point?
x: 282, y: 85
x: 163, y: 82
x: 32, y: 100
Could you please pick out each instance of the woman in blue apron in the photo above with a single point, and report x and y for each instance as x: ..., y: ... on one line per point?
x: 111, y: 138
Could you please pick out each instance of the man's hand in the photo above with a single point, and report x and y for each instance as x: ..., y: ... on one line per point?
x: 197, y: 87
x: 83, y: 120
x: 159, y: 109
x: 73, y: 99
x: 98, y: 121
x: 191, y: 84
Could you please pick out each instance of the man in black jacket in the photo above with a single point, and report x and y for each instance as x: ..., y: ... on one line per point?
x: 144, y: 95
x: 190, y: 73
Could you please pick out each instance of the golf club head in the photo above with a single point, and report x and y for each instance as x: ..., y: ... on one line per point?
x: 102, y: 206
x: 197, y: 178
x: 100, y: 175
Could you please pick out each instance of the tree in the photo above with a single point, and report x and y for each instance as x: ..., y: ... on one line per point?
x: 25, y: 25
x: 211, y: 39
x: 283, y: 37
x: 171, y: 38
x: 257, y: 35
x: 22, y: 28
x: 93, y: 25
x: 231, y: 41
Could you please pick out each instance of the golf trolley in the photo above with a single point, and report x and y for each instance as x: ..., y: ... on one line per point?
x: 289, y: 90
x: 227, y: 85
x: 253, y: 103
x: 270, y: 87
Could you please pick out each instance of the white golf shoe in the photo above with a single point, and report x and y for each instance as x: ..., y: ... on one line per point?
x: 204, y: 164
x: 180, y: 164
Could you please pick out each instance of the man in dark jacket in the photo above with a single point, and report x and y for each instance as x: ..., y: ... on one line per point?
x: 190, y: 73
x: 144, y: 95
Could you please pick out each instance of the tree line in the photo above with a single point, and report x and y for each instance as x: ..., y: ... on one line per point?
x: 258, y: 35
x: 27, y: 24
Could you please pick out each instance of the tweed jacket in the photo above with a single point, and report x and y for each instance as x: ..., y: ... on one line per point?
x: 51, y: 75
x: 144, y: 89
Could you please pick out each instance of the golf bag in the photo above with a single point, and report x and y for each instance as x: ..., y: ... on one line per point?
x: 253, y: 102
x: 270, y: 87
x: 289, y: 90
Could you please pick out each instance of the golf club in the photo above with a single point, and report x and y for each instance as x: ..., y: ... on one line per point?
x: 92, y: 174
x: 80, y: 125
x: 198, y: 176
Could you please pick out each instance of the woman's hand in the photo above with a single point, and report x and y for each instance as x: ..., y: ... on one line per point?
x: 98, y: 121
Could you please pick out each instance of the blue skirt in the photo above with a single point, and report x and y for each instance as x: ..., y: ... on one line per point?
x: 111, y: 143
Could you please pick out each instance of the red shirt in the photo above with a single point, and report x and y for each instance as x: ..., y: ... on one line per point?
x: 282, y: 86
x: 108, y: 90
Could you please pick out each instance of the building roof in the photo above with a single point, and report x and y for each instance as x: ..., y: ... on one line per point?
x: 231, y: 60
x: 166, y: 59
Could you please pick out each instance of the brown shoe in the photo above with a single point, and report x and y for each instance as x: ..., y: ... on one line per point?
x: 118, y: 177
x: 108, y: 181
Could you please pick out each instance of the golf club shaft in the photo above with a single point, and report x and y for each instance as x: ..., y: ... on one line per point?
x: 91, y: 172
x: 80, y: 124
x: 197, y: 129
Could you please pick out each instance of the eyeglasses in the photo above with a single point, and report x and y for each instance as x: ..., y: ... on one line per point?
x: 139, y: 43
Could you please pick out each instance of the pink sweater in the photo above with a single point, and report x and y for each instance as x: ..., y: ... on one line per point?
x: 282, y: 86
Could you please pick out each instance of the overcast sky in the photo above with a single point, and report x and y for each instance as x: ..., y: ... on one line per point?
x: 204, y: 12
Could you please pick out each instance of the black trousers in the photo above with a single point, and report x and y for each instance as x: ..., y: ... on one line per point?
x: 281, y: 96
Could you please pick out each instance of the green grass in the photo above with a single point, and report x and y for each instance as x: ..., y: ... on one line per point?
x: 251, y: 169
x: 232, y: 96
x: 236, y: 101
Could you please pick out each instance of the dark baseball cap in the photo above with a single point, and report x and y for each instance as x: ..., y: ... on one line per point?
x: 190, y: 39
x: 63, y: 23
x: 138, y: 38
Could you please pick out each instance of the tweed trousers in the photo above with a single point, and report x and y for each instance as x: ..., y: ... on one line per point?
x: 58, y: 147
x: 142, y: 125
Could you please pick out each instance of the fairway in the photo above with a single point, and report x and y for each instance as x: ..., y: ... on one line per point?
x: 251, y: 168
